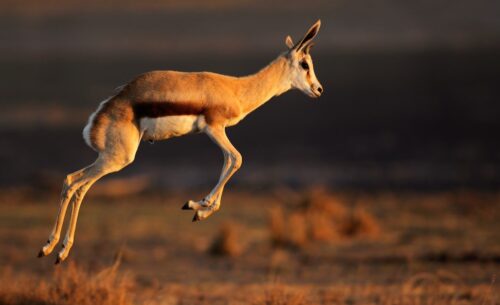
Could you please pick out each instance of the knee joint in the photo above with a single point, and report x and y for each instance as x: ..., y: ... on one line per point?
x: 53, y: 239
x: 237, y: 160
x: 66, y: 182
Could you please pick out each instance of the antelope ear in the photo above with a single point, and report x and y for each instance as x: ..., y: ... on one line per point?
x: 308, y: 47
x: 289, y: 42
x: 311, y: 33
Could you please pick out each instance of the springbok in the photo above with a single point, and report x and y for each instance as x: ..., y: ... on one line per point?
x: 162, y: 104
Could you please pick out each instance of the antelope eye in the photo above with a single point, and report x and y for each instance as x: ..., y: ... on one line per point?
x: 304, y: 65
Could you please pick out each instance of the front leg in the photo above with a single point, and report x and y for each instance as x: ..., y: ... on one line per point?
x: 204, y: 212
x: 232, y: 162
x: 208, y: 201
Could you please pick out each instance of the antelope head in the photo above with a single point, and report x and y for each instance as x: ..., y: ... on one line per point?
x: 301, y: 69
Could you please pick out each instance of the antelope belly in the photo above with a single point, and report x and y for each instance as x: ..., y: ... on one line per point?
x: 170, y: 126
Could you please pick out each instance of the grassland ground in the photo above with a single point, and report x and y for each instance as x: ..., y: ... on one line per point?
x: 376, y: 248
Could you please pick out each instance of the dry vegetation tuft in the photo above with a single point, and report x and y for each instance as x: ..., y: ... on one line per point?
x: 68, y: 285
x: 281, y: 295
x: 359, y: 222
x: 319, y: 216
x: 227, y: 242
x: 434, y: 249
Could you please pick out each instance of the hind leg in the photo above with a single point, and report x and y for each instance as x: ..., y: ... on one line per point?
x: 119, y: 152
x: 98, y: 170
x: 70, y: 185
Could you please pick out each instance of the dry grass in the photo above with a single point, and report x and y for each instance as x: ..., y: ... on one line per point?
x: 319, y: 216
x: 227, y: 242
x: 68, y: 285
x: 426, y: 291
x: 277, y: 294
x: 434, y: 248
x: 359, y: 222
x: 429, y: 293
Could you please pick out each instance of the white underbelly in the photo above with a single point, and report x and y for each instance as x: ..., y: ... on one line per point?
x: 155, y: 129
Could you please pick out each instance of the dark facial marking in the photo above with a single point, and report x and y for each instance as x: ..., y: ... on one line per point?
x: 308, y: 78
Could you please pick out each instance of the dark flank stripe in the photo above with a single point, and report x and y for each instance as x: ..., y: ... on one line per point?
x: 161, y: 109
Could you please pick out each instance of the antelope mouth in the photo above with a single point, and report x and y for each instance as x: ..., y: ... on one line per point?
x: 314, y: 94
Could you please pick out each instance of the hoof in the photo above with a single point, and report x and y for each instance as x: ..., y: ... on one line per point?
x: 58, y: 261
x: 186, y: 206
x: 41, y: 254
x: 196, y: 217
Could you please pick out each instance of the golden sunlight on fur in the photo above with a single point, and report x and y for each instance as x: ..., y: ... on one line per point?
x: 162, y: 104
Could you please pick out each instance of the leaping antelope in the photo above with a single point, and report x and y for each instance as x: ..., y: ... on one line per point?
x: 160, y: 105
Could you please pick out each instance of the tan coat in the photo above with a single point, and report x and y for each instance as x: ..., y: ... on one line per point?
x: 162, y: 104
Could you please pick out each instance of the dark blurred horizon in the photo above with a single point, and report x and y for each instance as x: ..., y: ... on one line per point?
x: 152, y: 27
x: 411, y: 89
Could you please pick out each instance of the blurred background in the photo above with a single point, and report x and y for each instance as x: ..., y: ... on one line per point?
x: 411, y: 89
x: 383, y: 191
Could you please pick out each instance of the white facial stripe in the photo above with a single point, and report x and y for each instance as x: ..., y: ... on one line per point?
x: 302, y: 79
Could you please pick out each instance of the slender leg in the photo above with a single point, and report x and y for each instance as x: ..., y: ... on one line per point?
x: 71, y: 184
x: 218, y: 135
x: 97, y: 172
x: 119, y: 153
x: 205, y: 203
x: 232, y: 162
x: 70, y: 234
x: 105, y: 165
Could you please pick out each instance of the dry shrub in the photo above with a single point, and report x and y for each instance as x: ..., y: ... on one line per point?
x: 321, y: 226
x: 280, y: 295
x: 69, y: 285
x: 319, y: 216
x: 297, y: 229
x: 277, y: 226
x: 359, y: 223
x: 438, y: 286
x: 227, y: 242
x: 321, y: 201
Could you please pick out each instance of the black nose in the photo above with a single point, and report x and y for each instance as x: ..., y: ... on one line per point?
x: 320, y: 89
